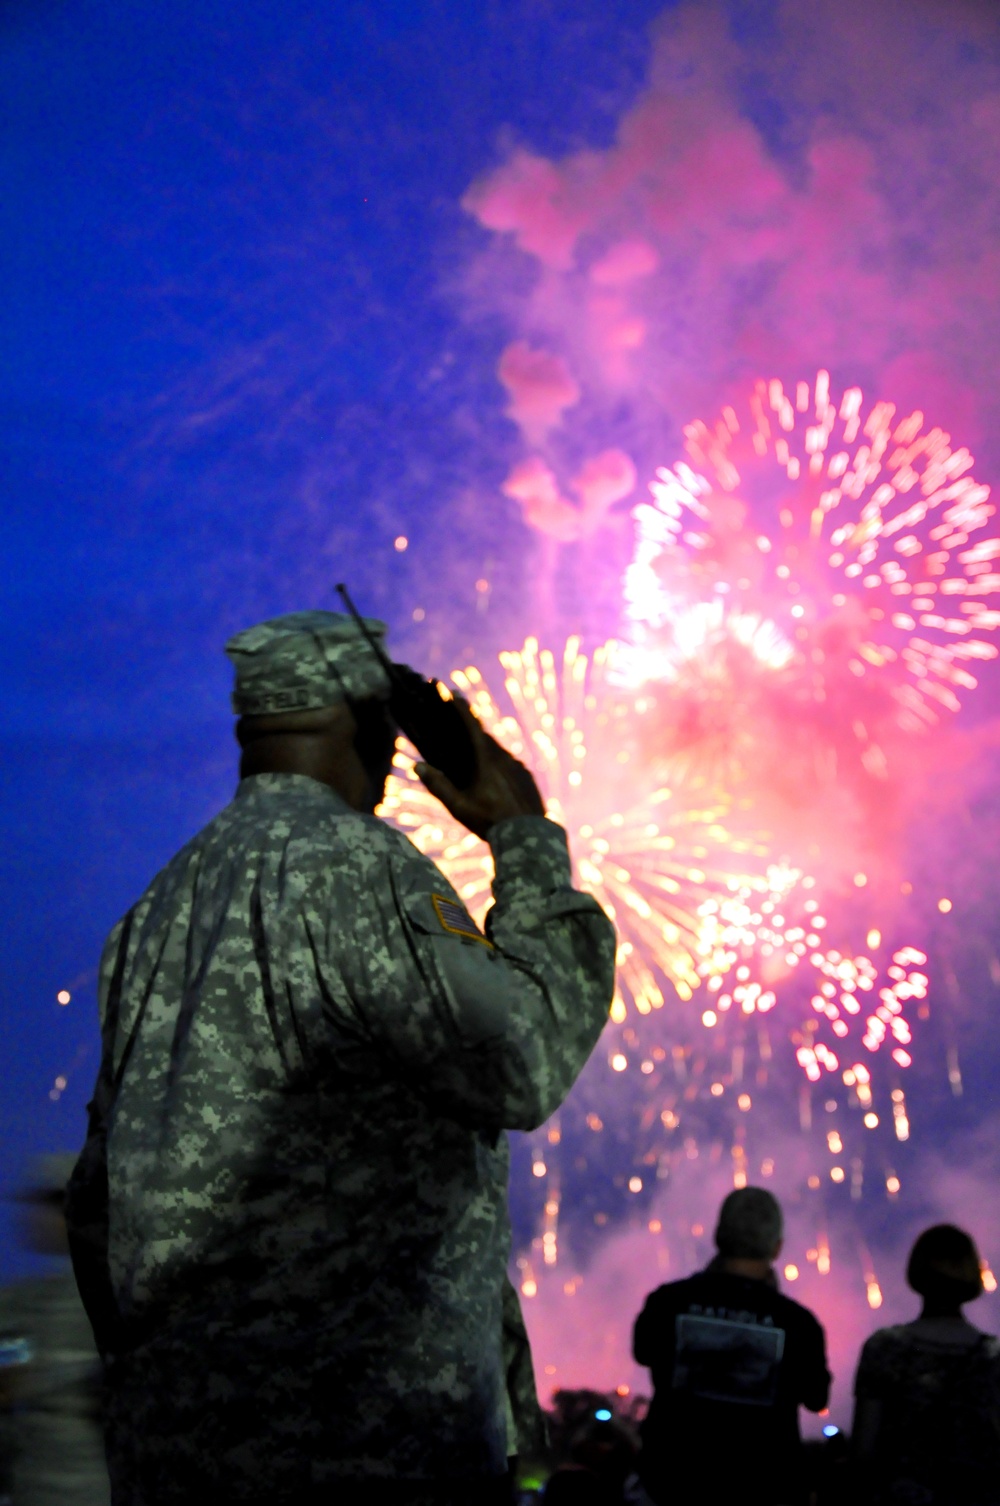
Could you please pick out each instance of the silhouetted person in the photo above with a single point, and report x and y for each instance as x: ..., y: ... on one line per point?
x: 732, y: 1361
x: 54, y: 1391
x: 289, y: 1220
x: 927, y: 1393
x: 601, y: 1458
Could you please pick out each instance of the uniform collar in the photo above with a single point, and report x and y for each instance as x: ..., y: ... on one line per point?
x: 265, y: 787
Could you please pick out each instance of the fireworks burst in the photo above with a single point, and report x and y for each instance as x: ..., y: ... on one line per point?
x: 662, y: 865
x: 734, y: 942
x: 700, y: 909
x: 709, y: 1087
x: 853, y: 1001
x: 878, y: 557
x: 710, y: 1084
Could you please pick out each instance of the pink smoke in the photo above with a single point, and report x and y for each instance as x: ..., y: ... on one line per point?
x: 696, y: 252
x: 540, y: 388
x: 602, y: 481
x: 530, y: 198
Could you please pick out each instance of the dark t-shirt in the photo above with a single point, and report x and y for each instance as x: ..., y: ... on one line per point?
x: 937, y: 1384
x: 732, y: 1360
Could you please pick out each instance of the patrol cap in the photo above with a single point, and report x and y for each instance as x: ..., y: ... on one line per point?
x: 303, y: 661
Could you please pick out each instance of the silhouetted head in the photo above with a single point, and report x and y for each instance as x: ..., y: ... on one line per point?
x: 312, y: 695
x: 43, y: 1201
x: 750, y: 1225
x: 348, y: 746
x: 944, y: 1267
x: 607, y: 1449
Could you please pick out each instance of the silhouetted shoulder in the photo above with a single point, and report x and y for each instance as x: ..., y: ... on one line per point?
x: 796, y: 1312
x: 672, y: 1289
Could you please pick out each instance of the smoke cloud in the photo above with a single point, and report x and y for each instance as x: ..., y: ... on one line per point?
x: 796, y: 187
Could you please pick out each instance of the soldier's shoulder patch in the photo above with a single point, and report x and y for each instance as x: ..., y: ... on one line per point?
x: 454, y: 918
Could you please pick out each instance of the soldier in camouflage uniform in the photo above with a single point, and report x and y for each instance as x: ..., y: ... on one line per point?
x: 289, y: 1218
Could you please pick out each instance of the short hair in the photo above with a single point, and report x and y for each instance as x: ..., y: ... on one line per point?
x: 944, y: 1265
x: 750, y: 1224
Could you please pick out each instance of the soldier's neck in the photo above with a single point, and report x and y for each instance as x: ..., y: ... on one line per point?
x: 312, y: 754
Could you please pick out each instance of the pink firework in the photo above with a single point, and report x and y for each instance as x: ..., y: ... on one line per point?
x: 840, y: 1006
x: 860, y: 535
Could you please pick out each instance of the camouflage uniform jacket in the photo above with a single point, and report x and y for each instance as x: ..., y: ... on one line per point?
x: 289, y: 1218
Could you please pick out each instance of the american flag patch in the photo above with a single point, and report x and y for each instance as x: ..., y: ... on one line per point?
x: 456, y: 920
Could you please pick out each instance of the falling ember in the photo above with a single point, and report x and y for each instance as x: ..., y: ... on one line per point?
x: 881, y: 544
x: 954, y: 1071
x: 901, y: 1122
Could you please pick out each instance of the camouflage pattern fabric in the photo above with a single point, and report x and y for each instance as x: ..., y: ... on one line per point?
x: 289, y: 1218
x: 304, y: 661
x: 527, y: 1426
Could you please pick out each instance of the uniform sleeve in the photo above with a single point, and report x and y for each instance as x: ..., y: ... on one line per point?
x: 87, y: 1192
x: 495, y: 1028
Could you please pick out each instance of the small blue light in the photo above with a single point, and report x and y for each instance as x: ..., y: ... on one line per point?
x: 830, y: 1431
x: 603, y: 1415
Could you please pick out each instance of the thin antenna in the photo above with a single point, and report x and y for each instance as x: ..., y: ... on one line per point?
x: 372, y: 642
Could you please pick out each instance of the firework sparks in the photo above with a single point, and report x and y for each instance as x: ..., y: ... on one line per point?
x: 708, y: 919
x: 851, y: 1000
x: 664, y: 867
x: 706, y: 1085
x: 879, y: 553
x: 725, y: 675
x: 700, y: 909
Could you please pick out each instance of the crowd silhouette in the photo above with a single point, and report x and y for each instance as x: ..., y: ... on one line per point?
x: 926, y: 1427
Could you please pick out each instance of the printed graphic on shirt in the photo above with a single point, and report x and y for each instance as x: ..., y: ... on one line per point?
x: 717, y: 1359
x: 456, y: 920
